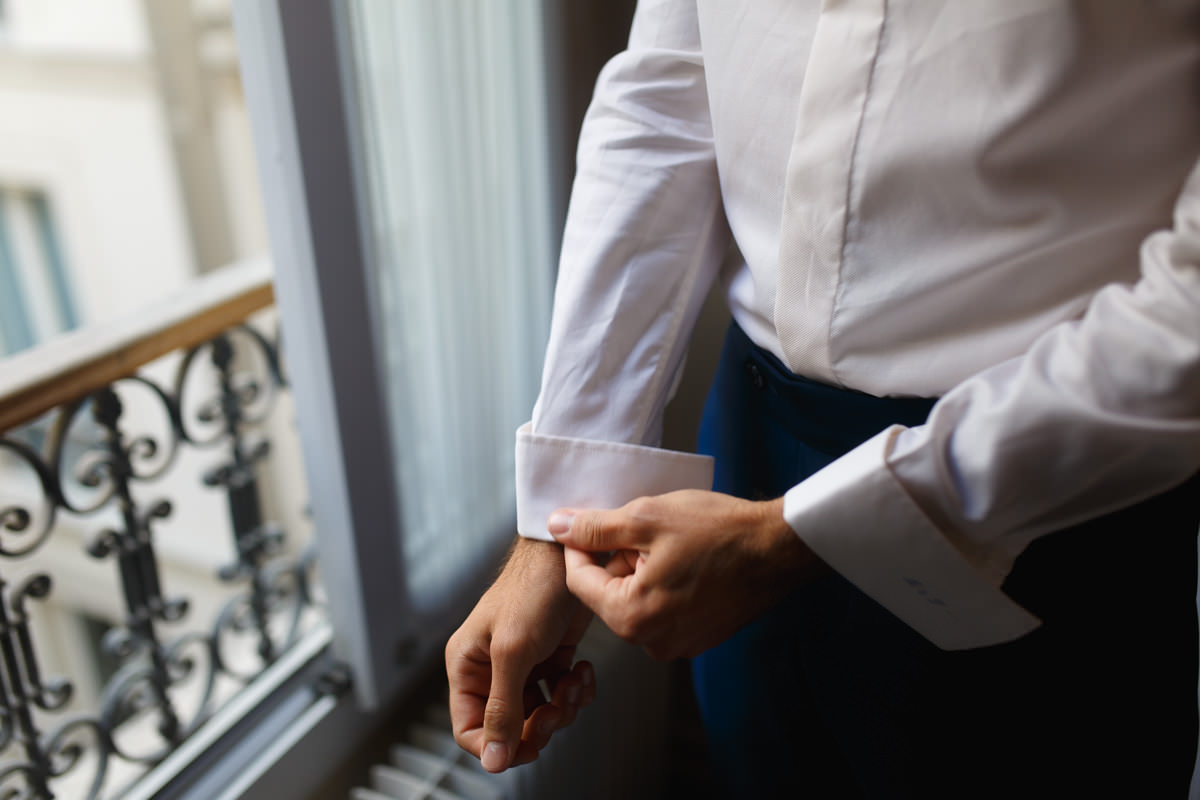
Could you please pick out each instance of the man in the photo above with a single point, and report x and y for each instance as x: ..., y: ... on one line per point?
x: 960, y: 404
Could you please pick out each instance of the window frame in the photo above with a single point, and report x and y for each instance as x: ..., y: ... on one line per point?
x: 299, y: 81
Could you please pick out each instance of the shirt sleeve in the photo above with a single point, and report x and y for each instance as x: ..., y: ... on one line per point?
x: 636, y: 266
x: 1100, y: 413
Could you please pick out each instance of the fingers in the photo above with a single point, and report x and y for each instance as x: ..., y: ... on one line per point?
x: 504, y: 714
x: 469, y: 672
x: 596, y: 531
x: 517, y: 721
x: 587, y: 675
x: 523, y: 630
x: 574, y: 691
x: 620, y: 594
x: 540, y: 726
x: 592, y: 582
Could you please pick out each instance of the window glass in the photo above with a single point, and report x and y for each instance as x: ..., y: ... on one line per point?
x: 35, y: 301
x: 452, y: 105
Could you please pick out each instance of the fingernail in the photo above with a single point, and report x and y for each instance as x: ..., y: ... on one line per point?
x: 573, y: 694
x: 547, y: 725
x: 559, y: 523
x: 587, y: 676
x: 495, y: 757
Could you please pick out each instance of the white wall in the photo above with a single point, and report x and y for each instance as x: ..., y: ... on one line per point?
x: 80, y: 118
x: 75, y: 27
x: 95, y: 144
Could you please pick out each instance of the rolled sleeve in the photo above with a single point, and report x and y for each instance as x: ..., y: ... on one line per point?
x: 563, y: 472
x: 856, y: 516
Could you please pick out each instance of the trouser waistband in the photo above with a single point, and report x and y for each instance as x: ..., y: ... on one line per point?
x: 829, y: 418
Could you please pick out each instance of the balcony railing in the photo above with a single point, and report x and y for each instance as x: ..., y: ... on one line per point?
x: 94, y: 428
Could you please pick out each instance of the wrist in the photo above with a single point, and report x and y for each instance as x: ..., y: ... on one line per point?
x: 783, y: 544
x: 771, y: 521
x: 536, y: 564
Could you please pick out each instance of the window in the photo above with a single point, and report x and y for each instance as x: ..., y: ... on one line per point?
x: 457, y: 203
x: 35, y: 302
x: 412, y: 188
x: 414, y: 286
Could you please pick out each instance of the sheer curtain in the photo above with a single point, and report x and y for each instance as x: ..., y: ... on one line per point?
x: 451, y: 97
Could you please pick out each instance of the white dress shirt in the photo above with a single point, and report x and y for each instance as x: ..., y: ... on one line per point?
x: 988, y: 201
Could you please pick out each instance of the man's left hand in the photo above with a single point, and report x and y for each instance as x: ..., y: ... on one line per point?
x: 686, y: 570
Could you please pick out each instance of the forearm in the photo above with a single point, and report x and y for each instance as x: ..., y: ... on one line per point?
x: 1097, y: 415
x: 644, y: 237
x: 534, y: 566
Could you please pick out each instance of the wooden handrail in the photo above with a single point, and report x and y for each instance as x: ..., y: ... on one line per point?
x: 79, y: 362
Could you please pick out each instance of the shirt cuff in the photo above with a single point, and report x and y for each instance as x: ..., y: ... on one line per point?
x: 562, y: 472
x: 856, y: 516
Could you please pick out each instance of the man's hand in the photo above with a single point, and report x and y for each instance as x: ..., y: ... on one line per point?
x: 524, y: 629
x: 687, y: 570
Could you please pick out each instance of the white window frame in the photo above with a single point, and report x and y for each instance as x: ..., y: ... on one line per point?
x: 299, y: 77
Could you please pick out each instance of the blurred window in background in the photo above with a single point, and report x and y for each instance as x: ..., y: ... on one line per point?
x: 35, y: 300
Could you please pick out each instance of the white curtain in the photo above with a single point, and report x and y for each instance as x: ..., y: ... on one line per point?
x: 452, y: 102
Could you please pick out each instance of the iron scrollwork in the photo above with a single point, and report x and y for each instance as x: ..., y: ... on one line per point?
x: 236, y: 378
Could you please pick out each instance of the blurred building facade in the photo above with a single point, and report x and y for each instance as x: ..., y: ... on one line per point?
x: 125, y: 122
x: 126, y: 172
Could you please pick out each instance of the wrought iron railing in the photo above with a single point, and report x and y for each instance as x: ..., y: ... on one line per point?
x: 86, y: 441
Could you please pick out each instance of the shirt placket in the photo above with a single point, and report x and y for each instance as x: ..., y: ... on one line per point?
x: 817, y: 193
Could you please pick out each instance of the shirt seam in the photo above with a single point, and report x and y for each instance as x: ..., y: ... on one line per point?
x: 565, y: 443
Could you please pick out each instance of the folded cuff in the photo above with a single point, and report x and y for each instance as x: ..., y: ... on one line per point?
x: 562, y: 472
x: 856, y: 516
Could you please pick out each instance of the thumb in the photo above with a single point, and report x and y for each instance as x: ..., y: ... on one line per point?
x: 593, y: 531
x: 504, y: 715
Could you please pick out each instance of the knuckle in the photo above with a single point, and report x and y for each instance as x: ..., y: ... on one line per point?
x: 639, y: 509
x: 591, y: 530
x: 453, y: 649
x: 460, y: 659
x: 630, y: 626
x: 654, y: 606
x: 496, y: 714
x: 504, y: 648
x: 641, y: 505
x: 622, y: 627
x: 641, y: 516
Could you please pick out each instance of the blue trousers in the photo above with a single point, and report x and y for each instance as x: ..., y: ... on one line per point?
x: 828, y: 695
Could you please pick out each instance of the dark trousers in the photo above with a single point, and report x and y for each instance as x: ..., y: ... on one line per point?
x: 828, y: 695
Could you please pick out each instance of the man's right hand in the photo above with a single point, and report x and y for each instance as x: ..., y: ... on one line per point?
x: 524, y: 629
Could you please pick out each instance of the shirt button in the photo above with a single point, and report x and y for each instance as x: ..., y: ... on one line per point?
x: 756, y: 376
